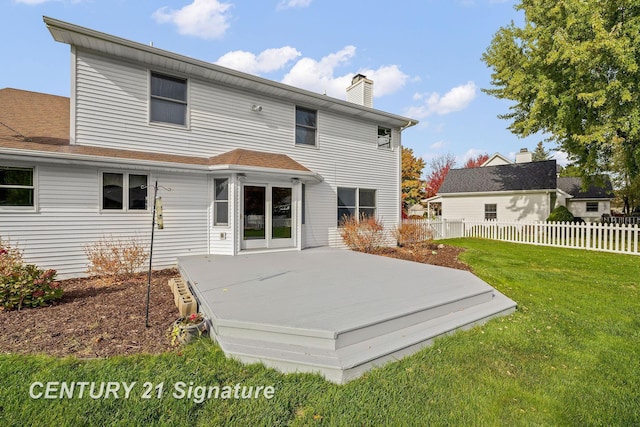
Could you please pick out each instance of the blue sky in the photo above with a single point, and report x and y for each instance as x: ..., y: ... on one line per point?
x: 423, y: 56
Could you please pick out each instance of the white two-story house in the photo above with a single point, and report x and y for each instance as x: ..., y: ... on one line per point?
x: 242, y: 163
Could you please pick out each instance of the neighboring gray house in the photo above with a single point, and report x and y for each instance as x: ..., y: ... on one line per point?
x: 252, y: 164
x: 520, y: 191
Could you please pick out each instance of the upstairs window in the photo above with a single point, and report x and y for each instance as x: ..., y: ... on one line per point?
x: 384, y: 137
x: 306, y: 126
x: 114, y: 195
x: 16, y: 187
x: 490, y: 211
x: 168, y: 99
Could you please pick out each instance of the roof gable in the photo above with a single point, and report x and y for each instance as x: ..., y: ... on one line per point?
x: 510, y: 177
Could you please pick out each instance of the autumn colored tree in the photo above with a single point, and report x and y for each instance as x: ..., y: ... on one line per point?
x: 439, y: 168
x: 476, y: 162
x: 412, y: 184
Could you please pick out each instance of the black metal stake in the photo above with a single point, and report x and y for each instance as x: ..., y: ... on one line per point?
x: 153, y: 228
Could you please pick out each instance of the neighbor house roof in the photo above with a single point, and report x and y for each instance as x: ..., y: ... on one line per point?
x: 573, y: 186
x: 34, y: 123
x: 511, y: 177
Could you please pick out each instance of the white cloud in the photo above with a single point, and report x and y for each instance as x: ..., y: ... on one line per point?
x: 208, y: 19
x: 437, y: 145
x: 560, y: 157
x: 456, y: 99
x: 267, y: 61
x: 288, y: 4
x: 318, y: 76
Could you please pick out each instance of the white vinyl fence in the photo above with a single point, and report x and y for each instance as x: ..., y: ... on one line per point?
x: 619, y: 238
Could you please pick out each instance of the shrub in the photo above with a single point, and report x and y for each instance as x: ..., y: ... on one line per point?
x: 116, y: 258
x: 24, y: 285
x: 560, y: 214
x: 410, y: 233
x: 364, y: 235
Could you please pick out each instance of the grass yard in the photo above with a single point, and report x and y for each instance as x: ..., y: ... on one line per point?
x: 570, y: 355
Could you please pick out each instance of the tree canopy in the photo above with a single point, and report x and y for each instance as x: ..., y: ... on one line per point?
x: 540, y: 154
x: 439, y: 168
x: 476, y: 162
x: 412, y: 184
x: 573, y: 73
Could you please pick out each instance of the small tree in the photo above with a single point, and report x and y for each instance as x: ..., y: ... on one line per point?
x: 439, y: 168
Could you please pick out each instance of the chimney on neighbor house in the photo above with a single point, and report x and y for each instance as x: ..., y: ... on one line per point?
x: 524, y: 156
x: 361, y: 91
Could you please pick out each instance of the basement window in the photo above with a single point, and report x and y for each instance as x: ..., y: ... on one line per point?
x: 16, y: 187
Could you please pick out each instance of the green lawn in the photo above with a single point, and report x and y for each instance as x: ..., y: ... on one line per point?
x: 570, y: 355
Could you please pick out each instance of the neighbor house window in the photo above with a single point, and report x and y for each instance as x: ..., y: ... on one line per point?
x: 384, y: 137
x: 168, y: 99
x: 592, y: 206
x: 491, y: 211
x: 221, y: 202
x: 16, y: 187
x: 124, y: 191
x: 306, y: 126
x: 356, y: 202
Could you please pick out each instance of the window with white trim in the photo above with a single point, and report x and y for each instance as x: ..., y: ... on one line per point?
x: 168, y: 102
x: 17, y: 187
x: 490, y: 211
x: 124, y: 191
x: 306, y: 126
x: 592, y: 206
x: 384, y: 137
x: 221, y: 201
x: 356, y: 202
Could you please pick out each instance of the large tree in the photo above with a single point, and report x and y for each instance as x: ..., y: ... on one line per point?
x: 573, y: 73
x: 439, y: 168
x: 540, y: 154
x: 412, y: 184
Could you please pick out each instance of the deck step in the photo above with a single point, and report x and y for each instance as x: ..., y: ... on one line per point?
x: 351, y: 361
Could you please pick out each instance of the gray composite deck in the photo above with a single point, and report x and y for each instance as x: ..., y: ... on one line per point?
x: 333, y: 311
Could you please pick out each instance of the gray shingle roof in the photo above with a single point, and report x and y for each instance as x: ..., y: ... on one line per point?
x: 519, y: 176
x: 573, y: 186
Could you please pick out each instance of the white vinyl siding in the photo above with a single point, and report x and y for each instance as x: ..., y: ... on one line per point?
x: 112, y: 111
x: 530, y: 206
x: 69, y: 218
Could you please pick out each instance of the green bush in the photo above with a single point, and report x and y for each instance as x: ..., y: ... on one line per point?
x: 560, y: 214
x: 24, y: 285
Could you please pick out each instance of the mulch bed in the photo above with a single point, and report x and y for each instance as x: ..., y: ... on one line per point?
x: 95, y: 318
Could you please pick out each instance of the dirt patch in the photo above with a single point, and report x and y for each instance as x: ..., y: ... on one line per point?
x: 429, y: 253
x: 95, y: 319
x: 99, y: 319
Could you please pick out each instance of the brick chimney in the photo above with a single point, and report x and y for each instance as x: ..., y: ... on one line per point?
x: 361, y: 91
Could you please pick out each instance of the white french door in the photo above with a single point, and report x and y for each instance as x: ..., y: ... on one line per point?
x: 267, y: 216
